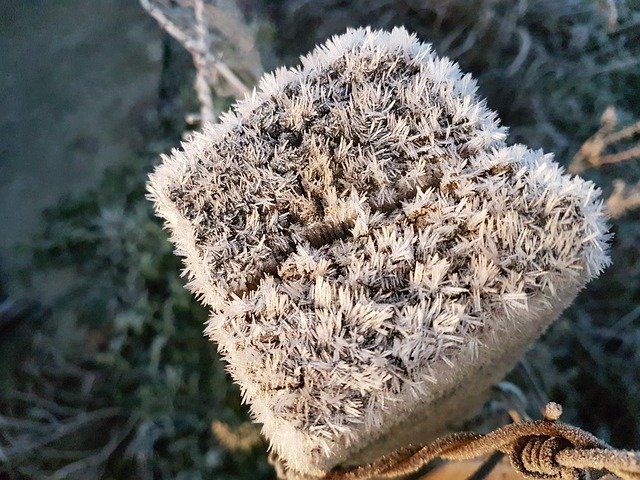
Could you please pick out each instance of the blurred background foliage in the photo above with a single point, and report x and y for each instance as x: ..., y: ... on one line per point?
x: 112, y: 377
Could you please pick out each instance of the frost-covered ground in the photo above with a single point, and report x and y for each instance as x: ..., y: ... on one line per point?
x: 76, y: 79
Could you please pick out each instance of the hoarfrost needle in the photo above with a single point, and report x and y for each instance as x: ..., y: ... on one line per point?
x: 373, y: 253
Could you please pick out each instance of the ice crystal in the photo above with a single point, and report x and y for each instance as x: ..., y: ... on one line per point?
x: 373, y: 253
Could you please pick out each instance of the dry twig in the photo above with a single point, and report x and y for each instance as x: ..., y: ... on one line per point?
x: 210, y: 30
x: 623, y: 199
x: 243, y: 438
x: 591, y: 154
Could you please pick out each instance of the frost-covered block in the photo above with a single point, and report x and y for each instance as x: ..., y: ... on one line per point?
x: 374, y: 256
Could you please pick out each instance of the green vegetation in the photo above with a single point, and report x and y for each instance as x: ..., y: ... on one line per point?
x: 120, y: 376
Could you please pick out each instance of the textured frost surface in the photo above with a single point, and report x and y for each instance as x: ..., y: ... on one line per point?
x: 358, y: 223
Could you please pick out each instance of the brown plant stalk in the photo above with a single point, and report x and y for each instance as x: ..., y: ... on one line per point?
x: 591, y: 154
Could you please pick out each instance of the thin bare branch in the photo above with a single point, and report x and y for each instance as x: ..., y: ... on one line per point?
x: 170, y: 27
x: 591, y: 154
x: 629, y: 154
x: 623, y: 199
x: 201, y: 58
x: 200, y: 25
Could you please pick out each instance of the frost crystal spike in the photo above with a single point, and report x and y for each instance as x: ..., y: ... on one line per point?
x: 373, y: 254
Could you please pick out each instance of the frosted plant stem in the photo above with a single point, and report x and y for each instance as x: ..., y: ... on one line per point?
x: 201, y: 62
